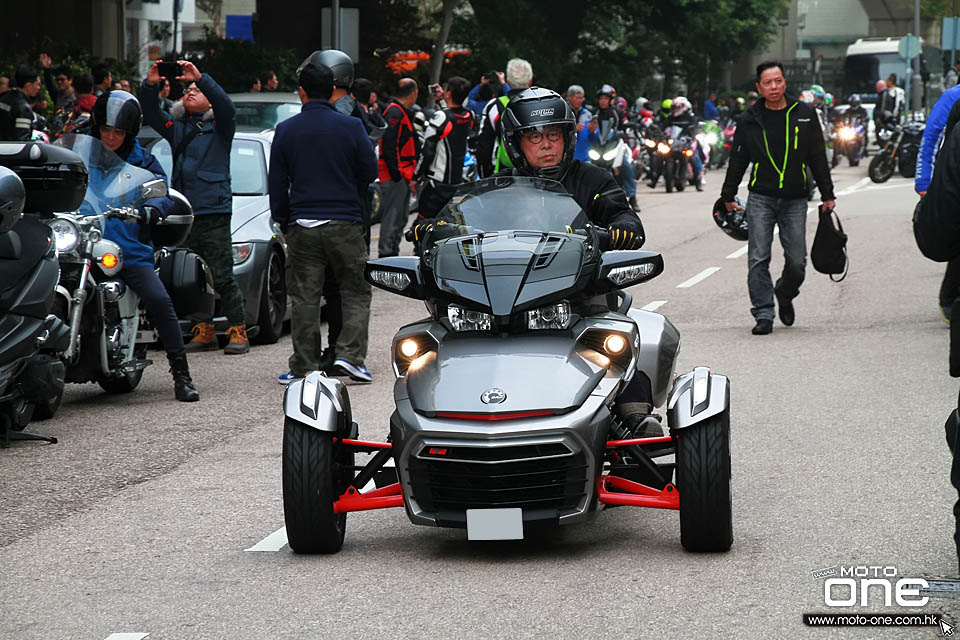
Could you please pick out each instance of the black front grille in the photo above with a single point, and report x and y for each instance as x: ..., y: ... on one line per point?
x: 528, y: 476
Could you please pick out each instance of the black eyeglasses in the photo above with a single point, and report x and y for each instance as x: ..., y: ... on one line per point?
x: 536, y: 137
x: 62, y: 78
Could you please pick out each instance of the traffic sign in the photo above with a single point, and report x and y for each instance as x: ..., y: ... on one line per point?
x: 909, y: 43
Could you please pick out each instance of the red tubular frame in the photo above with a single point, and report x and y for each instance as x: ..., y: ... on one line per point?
x: 634, y: 494
x: 382, y: 498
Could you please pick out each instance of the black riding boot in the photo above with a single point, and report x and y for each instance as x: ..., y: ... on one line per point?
x: 183, y: 387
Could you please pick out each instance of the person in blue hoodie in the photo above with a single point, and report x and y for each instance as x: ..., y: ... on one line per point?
x: 116, y: 122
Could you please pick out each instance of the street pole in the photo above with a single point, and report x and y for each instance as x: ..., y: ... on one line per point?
x: 335, y: 24
x: 175, y: 20
x: 953, y: 47
x: 915, y: 101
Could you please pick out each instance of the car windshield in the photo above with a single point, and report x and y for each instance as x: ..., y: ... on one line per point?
x: 513, y: 203
x: 248, y: 174
x: 112, y: 182
x: 264, y: 115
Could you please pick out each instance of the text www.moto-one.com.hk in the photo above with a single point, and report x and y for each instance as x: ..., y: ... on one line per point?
x: 865, y: 620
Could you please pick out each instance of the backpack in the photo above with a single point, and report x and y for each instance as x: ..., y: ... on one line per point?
x: 936, y: 231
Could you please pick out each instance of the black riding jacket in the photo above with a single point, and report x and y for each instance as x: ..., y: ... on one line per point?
x: 779, y: 177
x: 16, y: 116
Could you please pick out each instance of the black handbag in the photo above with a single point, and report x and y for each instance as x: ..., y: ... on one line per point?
x: 829, y: 252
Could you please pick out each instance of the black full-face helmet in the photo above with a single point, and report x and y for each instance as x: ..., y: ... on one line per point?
x: 340, y: 63
x: 12, y: 198
x: 120, y: 110
x: 733, y: 223
x: 534, y: 109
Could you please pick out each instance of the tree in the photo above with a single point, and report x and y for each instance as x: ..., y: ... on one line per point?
x: 436, y: 57
x: 214, y: 9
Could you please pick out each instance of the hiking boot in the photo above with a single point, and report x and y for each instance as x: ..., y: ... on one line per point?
x: 763, y: 327
x: 638, y: 420
x: 947, y: 313
x: 183, y: 388
x: 633, y: 203
x: 204, y: 338
x: 238, y: 340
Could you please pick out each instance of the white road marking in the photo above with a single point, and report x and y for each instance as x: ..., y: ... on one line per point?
x: 854, y: 187
x: 739, y: 252
x: 653, y: 306
x: 278, y: 539
x: 703, y: 275
x: 273, y: 542
x: 127, y: 636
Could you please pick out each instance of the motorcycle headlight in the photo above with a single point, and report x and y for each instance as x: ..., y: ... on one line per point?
x: 468, y: 319
x: 688, y: 153
x: 847, y: 133
x: 555, y: 316
x: 663, y: 148
x: 242, y: 252
x: 712, y: 139
x: 392, y: 279
x: 594, y: 154
x: 610, y: 155
x: 650, y: 143
x: 66, y: 232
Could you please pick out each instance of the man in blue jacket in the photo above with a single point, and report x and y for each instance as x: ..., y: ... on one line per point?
x: 319, y: 162
x: 932, y: 139
x: 200, y: 131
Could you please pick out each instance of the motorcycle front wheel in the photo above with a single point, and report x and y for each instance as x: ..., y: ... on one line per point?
x: 881, y: 167
x: 124, y: 382
x: 668, y: 176
x: 703, y: 479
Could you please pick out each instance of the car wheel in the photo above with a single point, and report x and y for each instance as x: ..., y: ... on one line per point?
x: 273, y: 301
x: 313, y: 478
x: 703, y: 478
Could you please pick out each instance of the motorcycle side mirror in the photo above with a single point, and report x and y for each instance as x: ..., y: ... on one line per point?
x: 154, y: 189
x: 399, y: 274
x: 621, y: 269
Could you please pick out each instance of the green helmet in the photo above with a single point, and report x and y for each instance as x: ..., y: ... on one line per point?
x: 667, y: 104
x: 817, y: 90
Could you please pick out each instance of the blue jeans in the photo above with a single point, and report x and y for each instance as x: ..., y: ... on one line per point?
x: 763, y: 212
x: 146, y: 283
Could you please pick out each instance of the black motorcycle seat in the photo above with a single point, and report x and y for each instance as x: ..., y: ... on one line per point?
x: 10, y: 246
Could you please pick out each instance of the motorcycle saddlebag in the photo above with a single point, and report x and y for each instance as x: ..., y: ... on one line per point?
x: 55, y: 178
x: 189, y: 282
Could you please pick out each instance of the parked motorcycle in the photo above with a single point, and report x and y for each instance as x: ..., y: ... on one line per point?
x: 31, y: 337
x: 504, y: 400
x: 109, y: 330
x: 900, y: 145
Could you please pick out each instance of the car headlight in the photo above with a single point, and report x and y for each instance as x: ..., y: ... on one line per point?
x: 623, y: 275
x: 392, y: 279
x: 468, y: 319
x: 610, y: 155
x: 555, y: 316
x: 594, y: 154
x: 66, y: 232
x: 663, y: 148
x: 242, y: 252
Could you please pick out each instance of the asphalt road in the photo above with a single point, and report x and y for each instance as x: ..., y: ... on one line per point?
x: 141, y: 519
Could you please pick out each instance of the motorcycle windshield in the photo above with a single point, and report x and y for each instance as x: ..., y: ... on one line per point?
x: 509, y: 242
x: 113, y: 182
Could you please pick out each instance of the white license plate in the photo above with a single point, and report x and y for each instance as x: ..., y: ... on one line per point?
x: 495, y: 524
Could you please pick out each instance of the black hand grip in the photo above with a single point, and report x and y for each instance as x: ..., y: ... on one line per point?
x: 408, y: 235
x: 604, y: 239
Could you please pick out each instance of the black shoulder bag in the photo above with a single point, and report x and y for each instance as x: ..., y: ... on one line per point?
x: 829, y: 252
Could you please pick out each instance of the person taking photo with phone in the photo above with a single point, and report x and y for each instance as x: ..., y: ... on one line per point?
x: 200, y: 131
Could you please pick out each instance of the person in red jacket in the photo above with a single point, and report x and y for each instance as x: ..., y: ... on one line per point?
x: 399, y: 150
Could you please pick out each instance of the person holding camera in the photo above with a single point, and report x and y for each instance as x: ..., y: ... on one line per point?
x: 200, y: 131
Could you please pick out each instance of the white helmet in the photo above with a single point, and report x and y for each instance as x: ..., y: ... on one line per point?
x: 681, y: 105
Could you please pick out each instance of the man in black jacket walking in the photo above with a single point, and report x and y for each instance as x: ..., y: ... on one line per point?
x: 780, y: 136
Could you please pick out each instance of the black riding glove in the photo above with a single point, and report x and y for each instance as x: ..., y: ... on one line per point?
x: 149, y: 215
x: 421, y: 228
x: 621, y: 238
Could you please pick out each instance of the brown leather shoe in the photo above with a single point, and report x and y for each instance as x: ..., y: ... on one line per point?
x: 204, y: 338
x: 238, y: 340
